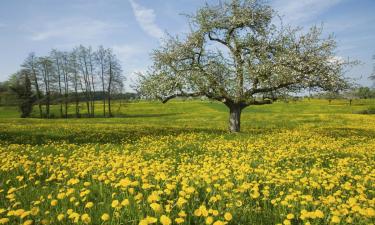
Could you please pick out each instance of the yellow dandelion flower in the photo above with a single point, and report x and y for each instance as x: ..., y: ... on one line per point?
x: 165, y: 220
x: 4, y: 220
x: 335, y: 219
x: 115, y: 203
x: 179, y: 220
x: 125, y: 202
x: 156, y: 207
x: 228, y: 216
x: 89, y: 205
x: 219, y: 222
x: 54, y: 202
x: 290, y: 216
x: 60, y: 217
x: 197, y: 212
x: 28, y: 222
x: 86, y: 218
x: 105, y: 217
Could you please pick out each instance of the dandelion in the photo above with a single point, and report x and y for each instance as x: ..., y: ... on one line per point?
x: 60, y: 217
x: 54, y: 202
x: 228, y: 216
x: 115, y: 203
x: 86, y: 219
x: 4, y: 220
x: 89, y: 205
x: 105, y: 217
x: 290, y: 216
x: 165, y: 220
x: 125, y: 202
x: 28, y: 222
x: 156, y: 207
x: 335, y: 219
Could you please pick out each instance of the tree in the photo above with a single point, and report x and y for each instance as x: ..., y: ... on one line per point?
x: 235, y: 53
x: 46, y: 70
x: 31, y: 64
x: 372, y: 77
x: 101, y: 56
x: 114, y: 77
x: 58, y: 66
x: 22, y: 87
x: 76, y: 81
x: 364, y: 93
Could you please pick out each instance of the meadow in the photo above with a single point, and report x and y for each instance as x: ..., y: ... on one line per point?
x: 304, y: 162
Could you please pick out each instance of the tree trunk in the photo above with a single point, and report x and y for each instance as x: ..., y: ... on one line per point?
x: 234, y: 118
x: 109, y: 105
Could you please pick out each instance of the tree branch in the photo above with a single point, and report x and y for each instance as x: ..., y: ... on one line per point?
x: 165, y: 100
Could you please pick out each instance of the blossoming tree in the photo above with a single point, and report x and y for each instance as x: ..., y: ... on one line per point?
x: 237, y: 53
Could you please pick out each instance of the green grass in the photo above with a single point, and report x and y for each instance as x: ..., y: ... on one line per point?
x: 285, y: 154
x: 178, y: 117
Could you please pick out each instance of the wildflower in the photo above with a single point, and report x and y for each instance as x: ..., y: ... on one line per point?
x: 28, y: 222
x: 125, y: 202
x: 115, y: 203
x: 105, y: 217
x: 209, y: 220
x: 86, y: 218
x: 319, y: 214
x: 182, y: 214
x: 156, y: 207
x: 165, y: 220
x: 228, y: 216
x: 4, y: 220
x: 290, y: 216
x: 60, y: 217
x: 89, y: 205
x: 179, y: 220
x: 219, y: 222
x: 335, y: 219
x: 54, y: 202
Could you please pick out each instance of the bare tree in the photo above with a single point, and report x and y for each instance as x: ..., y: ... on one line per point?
x: 46, y: 69
x: 236, y: 54
x: 66, y: 69
x: 114, y: 77
x: 75, y: 78
x: 101, y: 59
x: 372, y: 77
x: 56, y: 56
x: 83, y: 60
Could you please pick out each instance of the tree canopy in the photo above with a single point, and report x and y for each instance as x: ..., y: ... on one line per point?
x: 236, y: 52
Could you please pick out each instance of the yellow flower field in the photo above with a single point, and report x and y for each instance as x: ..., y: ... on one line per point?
x: 298, y: 176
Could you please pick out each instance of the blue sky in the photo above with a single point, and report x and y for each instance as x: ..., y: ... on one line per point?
x: 134, y: 27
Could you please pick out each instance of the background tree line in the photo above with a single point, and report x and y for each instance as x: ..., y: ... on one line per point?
x: 82, y: 75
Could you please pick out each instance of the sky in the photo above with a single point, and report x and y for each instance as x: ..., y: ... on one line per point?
x: 133, y: 28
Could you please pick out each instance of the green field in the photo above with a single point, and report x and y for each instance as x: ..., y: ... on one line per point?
x: 304, y: 162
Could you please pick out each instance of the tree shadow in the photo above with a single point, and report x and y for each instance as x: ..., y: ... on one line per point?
x: 146, y: 115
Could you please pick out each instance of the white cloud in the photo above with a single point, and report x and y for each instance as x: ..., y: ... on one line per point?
x: 146, y: 19
x: 127, y: 52
x: 302, y: 11
x: 72, y: 29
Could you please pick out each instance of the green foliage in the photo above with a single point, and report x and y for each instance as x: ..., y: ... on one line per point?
x: 25, y: 96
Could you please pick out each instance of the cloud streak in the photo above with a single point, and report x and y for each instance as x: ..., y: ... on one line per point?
x: 72, y: 29
x: 146, y: 20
